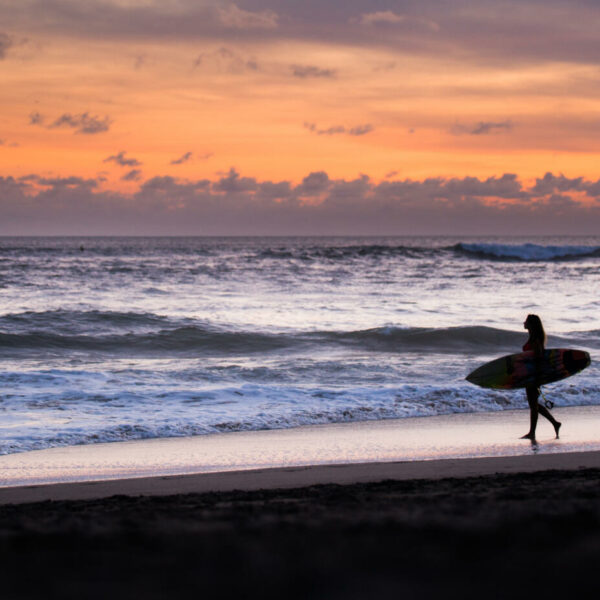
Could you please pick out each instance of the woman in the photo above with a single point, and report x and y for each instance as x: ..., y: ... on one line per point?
x: 536, y: 343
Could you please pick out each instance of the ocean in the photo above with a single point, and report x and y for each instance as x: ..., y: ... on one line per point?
x: 110, y: 339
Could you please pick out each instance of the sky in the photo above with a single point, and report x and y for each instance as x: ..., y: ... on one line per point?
x: 193, y: 117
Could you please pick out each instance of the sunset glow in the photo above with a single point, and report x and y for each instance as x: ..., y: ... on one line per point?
x: 394, y: 91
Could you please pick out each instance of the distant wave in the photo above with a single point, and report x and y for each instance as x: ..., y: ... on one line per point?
x: 340, y: 253
x: 147, y: 334
x: 527, y: 252
x: 287, y: 250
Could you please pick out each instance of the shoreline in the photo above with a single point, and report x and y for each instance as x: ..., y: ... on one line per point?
x: 456, y: 445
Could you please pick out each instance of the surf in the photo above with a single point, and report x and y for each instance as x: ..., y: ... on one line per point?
x: 526, y: 252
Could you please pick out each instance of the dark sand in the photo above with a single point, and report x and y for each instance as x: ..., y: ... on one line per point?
x: 492, y: 536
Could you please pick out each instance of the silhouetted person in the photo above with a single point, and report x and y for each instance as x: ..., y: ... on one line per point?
x: 536, y: 343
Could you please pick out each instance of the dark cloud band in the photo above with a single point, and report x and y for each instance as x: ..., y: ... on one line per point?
x: 491, y: 31
x: 238, y: 205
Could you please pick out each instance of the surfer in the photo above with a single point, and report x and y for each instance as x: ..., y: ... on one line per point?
x: 536, y: 343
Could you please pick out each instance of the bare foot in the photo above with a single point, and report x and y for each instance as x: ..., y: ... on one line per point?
x: 556, y: 428
x: 528, y: 436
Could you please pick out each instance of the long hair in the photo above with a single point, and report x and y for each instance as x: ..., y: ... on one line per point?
x: 536, y: 329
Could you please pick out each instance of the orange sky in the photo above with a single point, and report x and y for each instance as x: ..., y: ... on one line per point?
x: 277, y: 90
x: 161, y: 105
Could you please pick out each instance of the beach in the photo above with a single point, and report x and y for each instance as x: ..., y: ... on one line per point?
x: 499, y: 535
x: 514, y: 523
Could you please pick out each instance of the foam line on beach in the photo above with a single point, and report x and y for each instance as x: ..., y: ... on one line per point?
x: 414, y: 442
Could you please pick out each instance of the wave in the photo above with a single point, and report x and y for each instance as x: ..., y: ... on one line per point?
x: 480, y: 251
x: 449, y: 339
x: 79, y: 322
x: 343, y: 252
x: 485, y: 251
x: 290, y: 249
x: 130, y: 417
x: 148, y: 334
x: 527, y: 252
x: 189, y: 340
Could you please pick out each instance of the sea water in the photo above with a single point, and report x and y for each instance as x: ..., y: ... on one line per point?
x: 106, y: 339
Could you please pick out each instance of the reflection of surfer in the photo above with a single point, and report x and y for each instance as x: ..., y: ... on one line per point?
x: 536, y: 343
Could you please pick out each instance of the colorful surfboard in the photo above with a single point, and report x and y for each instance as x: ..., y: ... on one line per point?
x: 525, y: 369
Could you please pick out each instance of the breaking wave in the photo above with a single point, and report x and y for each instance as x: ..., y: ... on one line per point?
x: 527, y: 252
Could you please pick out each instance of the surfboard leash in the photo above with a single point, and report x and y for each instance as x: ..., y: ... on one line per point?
x: 547, y: 403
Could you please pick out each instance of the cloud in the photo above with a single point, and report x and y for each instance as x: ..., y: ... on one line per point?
x: 233, y: 183
x: 5, y: 43
x: 333, y: 130
x: 558, y: 185
x: 233, y: 204
x: 150, y: 19
x: 82, y: 123
x: 361, y: 129
x: 133, y: 175
x: 62, y: 183
x: 182, y: 159
x: 35, y: 118
x: 357, y: 130
x: 387, y: 17
x: 225, y: 60
x: 550, y: 183
x: 122, y: 161
x: 237, y: 18
x: 482, y: 128
x: 314, y: 184
x: 308, y: 71
x: 8, y: 144
x: 508, y: 33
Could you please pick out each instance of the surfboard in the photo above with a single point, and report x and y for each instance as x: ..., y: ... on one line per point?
x: 525, y: 369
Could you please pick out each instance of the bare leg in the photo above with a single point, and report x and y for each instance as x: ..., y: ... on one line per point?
x: 532, y: 398
x: 546, y: 413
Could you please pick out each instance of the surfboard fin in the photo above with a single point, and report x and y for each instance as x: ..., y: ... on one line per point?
x: 547, y: 403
